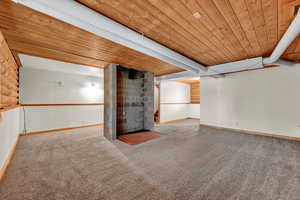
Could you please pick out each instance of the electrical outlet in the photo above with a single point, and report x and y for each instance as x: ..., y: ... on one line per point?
x: 237, y: 123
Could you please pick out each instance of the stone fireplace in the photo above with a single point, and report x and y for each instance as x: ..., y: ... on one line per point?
x: 128, y: 101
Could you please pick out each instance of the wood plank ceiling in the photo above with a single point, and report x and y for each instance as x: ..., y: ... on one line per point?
x: 208, y: 31
x: 33, y: 33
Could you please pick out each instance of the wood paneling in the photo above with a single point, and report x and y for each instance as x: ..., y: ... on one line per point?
x: 208, y: 31
x: 195, y: 93
x: 30, y: 32
x: 194, y: 90
x: 189, y: 81
x: 49, y: 53
x: 8, y: 108
x: 9, y: 79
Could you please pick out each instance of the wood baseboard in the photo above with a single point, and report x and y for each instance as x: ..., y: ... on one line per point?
x: 3, y: 170
x: 253, y: 132
x: 193, y: 118
x: 176, y: 120
x: 59, y: 130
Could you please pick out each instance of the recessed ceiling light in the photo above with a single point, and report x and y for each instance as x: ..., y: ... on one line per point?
x: 197, y: 15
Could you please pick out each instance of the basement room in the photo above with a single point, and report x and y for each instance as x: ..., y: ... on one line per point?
x: 149, y: 100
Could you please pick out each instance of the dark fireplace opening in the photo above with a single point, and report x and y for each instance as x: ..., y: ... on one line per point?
x: 132, y: 100
x: 128, y: 104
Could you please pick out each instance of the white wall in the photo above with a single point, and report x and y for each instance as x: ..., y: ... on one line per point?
x: 38, y: 86
x: 9, y: 131
x: 263, y: 100
x: 173, y: 92
x: 41, y: 118
x: 169, y: 112
x: 209, y: 100
x: 176, y: 92
x: 80, y: 85
x: 194, y: 111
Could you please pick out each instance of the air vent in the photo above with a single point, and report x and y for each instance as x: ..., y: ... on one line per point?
x: 296, y: 9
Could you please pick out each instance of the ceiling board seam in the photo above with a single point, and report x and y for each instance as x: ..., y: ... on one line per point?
x: 183, y: 28
x: 248, y: 54
x: 52, y: 49
x: 278, y: 22
x: 227, y: 52
x: 216, y: 49
x: 189, y: 42
x: 269, y: 49
x: 240, y: 10
x: 224, y: 26
x: 229, y: 26
x: 134, y: 28
x: 241, y: 27
x: 298, y: 45
x: 67, y: 33
x: 253, y: 27
x: 231, y: 49
x: 224, y: 56
x: 175, y: 30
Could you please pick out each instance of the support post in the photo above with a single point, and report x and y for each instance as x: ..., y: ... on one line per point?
x: 110, y: 102
x: 148, y: 101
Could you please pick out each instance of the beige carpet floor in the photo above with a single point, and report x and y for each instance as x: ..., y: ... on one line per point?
x: 184, y: 163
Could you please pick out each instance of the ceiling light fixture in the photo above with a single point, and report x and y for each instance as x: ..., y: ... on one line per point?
x: 197, y: 15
